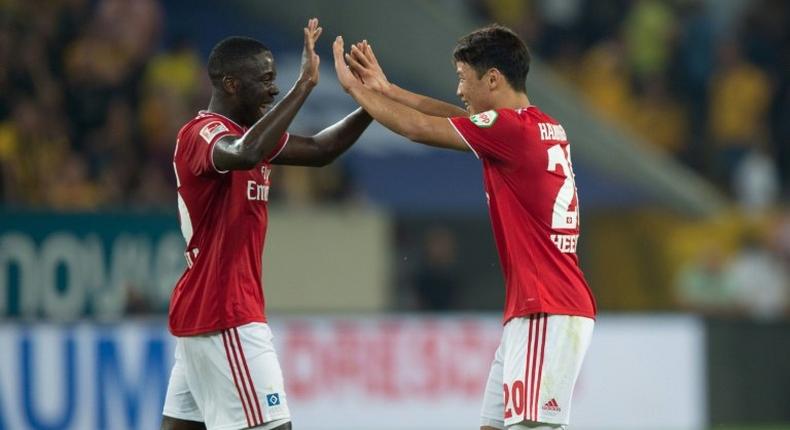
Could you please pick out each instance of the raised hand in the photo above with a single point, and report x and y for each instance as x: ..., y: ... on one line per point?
x: 363, y: 63
x: 310, y: 60
x: 344, y: 74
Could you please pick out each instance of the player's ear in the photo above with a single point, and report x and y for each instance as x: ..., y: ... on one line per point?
x: 493, y: 78
x: 230, y: 84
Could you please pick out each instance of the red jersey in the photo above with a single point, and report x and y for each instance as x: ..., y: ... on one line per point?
x: 534, y: 209
x: 223, y: 218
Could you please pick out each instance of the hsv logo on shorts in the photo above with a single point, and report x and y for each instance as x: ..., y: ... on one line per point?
x: 211, y: 130
x: 273, y: 399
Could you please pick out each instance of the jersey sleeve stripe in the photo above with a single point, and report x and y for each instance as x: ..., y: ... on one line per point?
x: 214, y: 143
x: 280, y: 149
x: 463, y: 137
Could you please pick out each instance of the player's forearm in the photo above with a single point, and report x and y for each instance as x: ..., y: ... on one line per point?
x: 400, y: 118
x: 424, y: 104
x: 261, y: 139
x: 336, y: 139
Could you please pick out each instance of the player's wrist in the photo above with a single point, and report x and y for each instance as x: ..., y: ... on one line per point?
x: 388, y: 89
x: 306, y: 82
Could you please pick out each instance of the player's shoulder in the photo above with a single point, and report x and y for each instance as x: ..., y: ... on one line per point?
x: 206, y: 126
x: 496, y: 118
x: 535, y: 115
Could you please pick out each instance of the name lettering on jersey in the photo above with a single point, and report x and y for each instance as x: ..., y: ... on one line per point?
x: 566, y: 243
x: 484, y: 119
x: 551, y: 131
x: 211, y: 130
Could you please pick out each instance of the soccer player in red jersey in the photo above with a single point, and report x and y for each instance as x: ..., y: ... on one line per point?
x: 533, y: 204
x: 226, y: 374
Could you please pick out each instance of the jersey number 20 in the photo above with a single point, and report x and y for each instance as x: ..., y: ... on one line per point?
x: 563, y: 217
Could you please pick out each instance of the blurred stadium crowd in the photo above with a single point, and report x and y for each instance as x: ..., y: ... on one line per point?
x: 706, y: 81
x: 89, y: 105
x: 90, y: 101
x: 92, y: 95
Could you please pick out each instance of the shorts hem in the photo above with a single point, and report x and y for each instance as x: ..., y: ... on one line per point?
x: 492, y: 422
x: 236, y: 426
x: 244, y: 425
x: 539, y: 421
x: 182, y: 416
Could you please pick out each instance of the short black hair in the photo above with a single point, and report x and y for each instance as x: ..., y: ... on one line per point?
x: 229, y: 56
x: 495, y: 46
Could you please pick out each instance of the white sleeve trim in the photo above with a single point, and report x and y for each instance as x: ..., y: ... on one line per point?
x: 211, y: 157
x: 464, y: 138
x: 287, y: 138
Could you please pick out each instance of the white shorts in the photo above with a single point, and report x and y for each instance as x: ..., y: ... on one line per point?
x: 535, y: 369
x: 228, y: 380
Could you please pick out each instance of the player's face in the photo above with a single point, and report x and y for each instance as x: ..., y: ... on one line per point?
x: 256, y: 88
x: 472, y: 90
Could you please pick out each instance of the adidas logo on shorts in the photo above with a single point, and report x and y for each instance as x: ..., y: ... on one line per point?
x: 551, y: 406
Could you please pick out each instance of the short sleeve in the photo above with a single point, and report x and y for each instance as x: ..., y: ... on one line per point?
x: 279, y: 148
x: 198, y: 146
x: 492, y: 134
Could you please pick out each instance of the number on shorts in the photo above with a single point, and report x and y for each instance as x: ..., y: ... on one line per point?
x: 516, y: 394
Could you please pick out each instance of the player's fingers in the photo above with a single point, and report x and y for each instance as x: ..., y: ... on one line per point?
x: 337, y: 52
x: 310, y: 41
x: 354, y: 65
x: 356, y: 54
x: 318, y: 32
x: 371, y: 56
x: 359, y: 56
x: 357, y: 76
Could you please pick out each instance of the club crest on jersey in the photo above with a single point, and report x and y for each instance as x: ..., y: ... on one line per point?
x: 484, y: 119
x: 211, y: 130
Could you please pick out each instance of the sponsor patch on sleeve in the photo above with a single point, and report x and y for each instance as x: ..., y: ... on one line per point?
x: 211, y: 130
x: 484, y: 119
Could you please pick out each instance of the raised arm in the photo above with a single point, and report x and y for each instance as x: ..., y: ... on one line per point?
x: 322, y: 148
x: 245, y: 152
x: 363, y: 62
x: 402, y: 119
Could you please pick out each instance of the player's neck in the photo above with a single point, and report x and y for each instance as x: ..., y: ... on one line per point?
x: 220, y: 106
x: 511, y: 100
x: 516, y: 100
